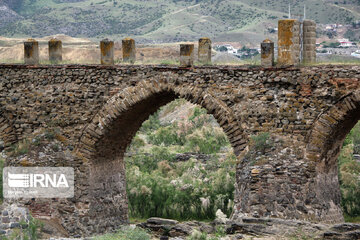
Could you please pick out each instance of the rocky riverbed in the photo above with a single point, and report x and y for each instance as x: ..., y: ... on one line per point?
x: 13, y: 217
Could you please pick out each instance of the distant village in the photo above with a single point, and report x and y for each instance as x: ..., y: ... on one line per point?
x: 335, y: 44
x: 242, y: 53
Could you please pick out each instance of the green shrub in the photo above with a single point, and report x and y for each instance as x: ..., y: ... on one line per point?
x: 20, y: 148
x: 50, y: 134
x: 136, y: 144
x: 30, y: 231
x: 196, y: 235
x: 220, y: 231
x: 180, y: 191
x: 148, y: 162
x: 126, y: 234
x: 157, y: 185
x: 206, y: 140
x: 153, y: 123
x: 261, y: 141
x: 349, y: 172
x: 166, y: 136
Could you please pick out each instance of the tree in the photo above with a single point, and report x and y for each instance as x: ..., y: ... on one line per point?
x: 223, y: 49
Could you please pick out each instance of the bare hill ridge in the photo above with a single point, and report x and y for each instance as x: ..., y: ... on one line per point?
x: 157, y: 21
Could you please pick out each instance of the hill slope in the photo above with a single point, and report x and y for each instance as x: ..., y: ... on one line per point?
x: 163, y: 20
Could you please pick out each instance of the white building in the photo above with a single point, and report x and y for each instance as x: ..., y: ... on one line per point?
x: 231, y: 49
x: 344, y: 42
x: 357, y: 55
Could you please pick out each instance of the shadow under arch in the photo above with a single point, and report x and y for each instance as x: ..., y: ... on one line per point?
x: 105, y: 139
x: 323, y: 147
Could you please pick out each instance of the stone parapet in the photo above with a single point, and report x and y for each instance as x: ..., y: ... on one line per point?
x: 128, y: 50
x: 55, y: 50
x: 288, y: 42
x: 267, y: 53
x: 204, y: 50
x: 186, y: 55
x: 107, y: 52
x: 309, y: 41
x: 31, y: 52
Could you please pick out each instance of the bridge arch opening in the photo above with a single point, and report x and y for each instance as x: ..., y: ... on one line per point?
x: 105, y: 140
x: 180, y: 165
x: 324, y: 147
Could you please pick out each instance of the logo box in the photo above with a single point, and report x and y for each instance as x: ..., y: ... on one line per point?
x: 38, y: 182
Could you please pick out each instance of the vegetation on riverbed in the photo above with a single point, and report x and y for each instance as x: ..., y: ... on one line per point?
x: 159, y: 184
x: 349, y: 175
x: 126, y: 233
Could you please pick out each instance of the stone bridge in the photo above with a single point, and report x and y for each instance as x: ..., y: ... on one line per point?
x: 96, y: 111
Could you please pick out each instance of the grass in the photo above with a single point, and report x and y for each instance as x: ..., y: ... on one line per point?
x: 336, y: 60
x: 20, y: 148
x: 126, y: 233
x: 29, y: 230
x: 136, y: 220
x: 352, y: 219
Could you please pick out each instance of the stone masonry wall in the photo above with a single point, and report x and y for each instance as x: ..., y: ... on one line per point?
x: 96, y: 110
x: 13, y: 217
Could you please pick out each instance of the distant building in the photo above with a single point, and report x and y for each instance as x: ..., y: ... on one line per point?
x: 344, y: 42
x: 357, y: 55
x: 230, y: 49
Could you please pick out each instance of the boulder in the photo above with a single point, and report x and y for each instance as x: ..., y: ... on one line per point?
x: 180, y: 230
x: 161, y: 221
x: 345, y: 227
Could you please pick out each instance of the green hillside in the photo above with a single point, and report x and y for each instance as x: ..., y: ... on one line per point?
x: 162, y: 20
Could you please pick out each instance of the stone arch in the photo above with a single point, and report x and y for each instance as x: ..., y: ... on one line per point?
x: 323, y: 147
x: 104, y: 141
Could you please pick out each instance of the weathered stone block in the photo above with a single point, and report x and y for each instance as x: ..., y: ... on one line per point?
x: 31, y: 52
x: 267, y: 53
x: 107, y: 52
x: 204, y: 50
x: 309, y: 41
x: 186, y: 55
x: 128, y: 50
x: 55, y: 50
x: 288, y: 42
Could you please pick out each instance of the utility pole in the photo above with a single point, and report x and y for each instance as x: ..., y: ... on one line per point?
x: 304, y: 11
x: 289, y: 12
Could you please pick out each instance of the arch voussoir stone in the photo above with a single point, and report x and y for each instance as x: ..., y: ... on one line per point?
x: 323, y: 147
x: 131, y: 96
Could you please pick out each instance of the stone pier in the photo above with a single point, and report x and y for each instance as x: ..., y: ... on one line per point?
x: 107, y: 52
x: 288, y: 42
x: 204, y: 50
x: 309, y: 41
x: 55, y: 50
x: 186, y: 55
x: 128, y: 50
x: 31, y: 52
x: 267, y: 53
